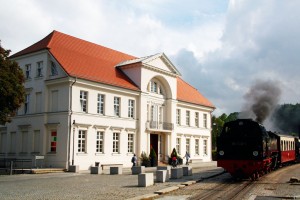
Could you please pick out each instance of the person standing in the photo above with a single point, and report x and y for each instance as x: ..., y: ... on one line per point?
x: 134, y: 160
x: 187, y: 157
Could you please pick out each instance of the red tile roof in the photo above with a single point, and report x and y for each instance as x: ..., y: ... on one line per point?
x: 83, y: 59
x: 187, y: 93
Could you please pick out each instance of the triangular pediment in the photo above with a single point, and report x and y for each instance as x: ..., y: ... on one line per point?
x: 158, y: 62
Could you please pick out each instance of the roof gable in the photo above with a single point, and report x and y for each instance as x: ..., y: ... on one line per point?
x: 158, y: 62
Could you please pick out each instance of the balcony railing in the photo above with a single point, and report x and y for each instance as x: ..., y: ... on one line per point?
x: 159, y: 125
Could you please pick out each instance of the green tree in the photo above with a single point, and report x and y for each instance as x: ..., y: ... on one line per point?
x: 11, y: 86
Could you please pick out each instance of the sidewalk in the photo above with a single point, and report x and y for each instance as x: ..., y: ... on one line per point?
x: 83, y: 185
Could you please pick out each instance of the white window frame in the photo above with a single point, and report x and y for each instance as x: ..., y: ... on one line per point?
x: 83, y: 101
x: 54, y: 71
x: 39, y: 69
x: 187, y: 144
x: 205, y: 120
x: 178, y: 117
x: 26, y: 103
x: 82, y: 135
x: 116, y: 142
x: 130, y: 145
x: 100, y: 104
x: 117, y: 101
x: 100, y: 142
x: 197, y: 119
x: 178, y: 144
x: 28, y: 71
x: 188, y: 118
x: 197, y: 143
x: 131, y: 108
x: 205, y: 153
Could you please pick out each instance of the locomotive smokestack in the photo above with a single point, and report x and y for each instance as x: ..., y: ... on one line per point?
x: 261, y: 100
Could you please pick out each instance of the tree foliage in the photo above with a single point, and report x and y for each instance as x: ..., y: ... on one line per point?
x: 11, y: 86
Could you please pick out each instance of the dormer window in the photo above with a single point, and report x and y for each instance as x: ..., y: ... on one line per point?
x: 53, y: 69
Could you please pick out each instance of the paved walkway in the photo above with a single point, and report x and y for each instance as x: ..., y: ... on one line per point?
x: 84, y: 185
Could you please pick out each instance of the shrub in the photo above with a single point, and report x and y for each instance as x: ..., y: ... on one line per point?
x: 145, y: 161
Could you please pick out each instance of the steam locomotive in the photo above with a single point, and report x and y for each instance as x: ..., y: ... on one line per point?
x: 246, y: 150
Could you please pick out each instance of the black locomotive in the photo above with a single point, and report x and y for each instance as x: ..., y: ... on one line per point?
x: 245, y: 149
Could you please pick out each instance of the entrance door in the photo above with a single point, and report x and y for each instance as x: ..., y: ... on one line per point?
x: 154, y: 143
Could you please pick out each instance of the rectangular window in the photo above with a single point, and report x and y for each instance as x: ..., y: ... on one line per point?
x: 187, y: 118
x: 38, y: 102
x: 82, y: 141
x: 117, y: 106
x: 13, y: 142
x: 27, y: 71
x: 197, y: 146
x: 116, y: 142
x: 205, y: 120
x: 196, y: 119
x: 39, y: 69
x: 99, y: 142
x: 130, y: 143
x: 3, y: 142
x: 24, y: 148
x: 36, y: 141
x: 152, y: 113
x: 54, y: 71
x: 178, y: 117
x: 100, y: 104
x: 160, y: 114
x: 26, y: 105
x: 187, y: 144
x: 178, y: 145
x: 54, y: 101
x: 153, y: 87
x: 53, y: 142
x: 83, y: 101
x: 205, y: 147
x: 131, y: 108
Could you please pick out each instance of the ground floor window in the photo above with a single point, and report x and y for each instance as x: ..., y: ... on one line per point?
x: 82, y: 141
x: 130, y: 143
x: 197, y: 146
x: 178, y: 140
x: 53, y: 141
x: 187, y: 144
x: 99, y: 142
x: 205, y: 147
x: 116, y: 142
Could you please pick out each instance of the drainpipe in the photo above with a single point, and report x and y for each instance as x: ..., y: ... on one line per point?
x: 70, y: 124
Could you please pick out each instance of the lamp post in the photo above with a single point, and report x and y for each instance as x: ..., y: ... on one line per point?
x: 73, y: 142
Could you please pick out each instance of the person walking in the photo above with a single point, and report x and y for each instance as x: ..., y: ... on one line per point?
x: 134, y: 160
x: 187, y: 157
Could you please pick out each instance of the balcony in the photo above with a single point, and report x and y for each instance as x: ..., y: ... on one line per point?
x: 161, y: 126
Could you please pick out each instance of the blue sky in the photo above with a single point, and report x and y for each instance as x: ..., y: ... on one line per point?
x: 220, y: 47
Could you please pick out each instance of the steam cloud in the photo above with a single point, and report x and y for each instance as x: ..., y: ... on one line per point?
x: 261, y: 100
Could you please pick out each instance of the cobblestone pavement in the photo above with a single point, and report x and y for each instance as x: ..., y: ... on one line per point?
x: 84, y: 185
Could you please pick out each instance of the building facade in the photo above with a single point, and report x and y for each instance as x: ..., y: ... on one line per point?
x: 86, y: 103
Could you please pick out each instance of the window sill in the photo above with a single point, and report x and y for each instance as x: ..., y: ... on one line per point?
x: 99, y: 154
x: 81, y: 154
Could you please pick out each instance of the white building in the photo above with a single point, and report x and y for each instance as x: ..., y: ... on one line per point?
x: 86, y: 103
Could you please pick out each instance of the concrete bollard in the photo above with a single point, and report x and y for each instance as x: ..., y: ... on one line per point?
x: 96, y: 170
x: 115, y: 170
x: 176, y: 173
x: 187, y: 171
x: 162, y: 176
x: 74, y: 168
x: 168, y: 168
x: 138, y: 169
x: 145, y: 179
